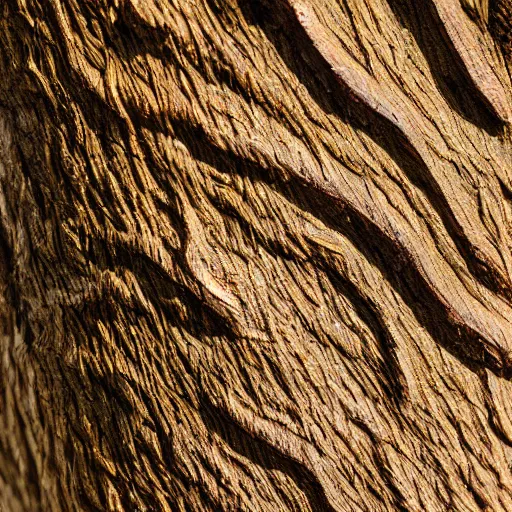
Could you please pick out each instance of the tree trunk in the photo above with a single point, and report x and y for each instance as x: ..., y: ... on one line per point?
x: 256, y: 255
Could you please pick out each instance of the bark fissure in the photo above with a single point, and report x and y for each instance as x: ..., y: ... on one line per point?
x: 255, y: 255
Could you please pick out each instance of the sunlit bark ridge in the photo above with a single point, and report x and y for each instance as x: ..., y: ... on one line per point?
x: 255, y: 255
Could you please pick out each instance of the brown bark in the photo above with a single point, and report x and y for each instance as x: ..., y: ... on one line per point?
x: 256, y: 255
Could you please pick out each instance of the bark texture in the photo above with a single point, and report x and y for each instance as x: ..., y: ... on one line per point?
x: 256, y: 255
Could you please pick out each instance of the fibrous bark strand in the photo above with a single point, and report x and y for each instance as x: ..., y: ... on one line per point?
x: 256, y: 255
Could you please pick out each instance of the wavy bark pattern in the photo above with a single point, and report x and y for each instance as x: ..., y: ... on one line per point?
x: 256, y: 255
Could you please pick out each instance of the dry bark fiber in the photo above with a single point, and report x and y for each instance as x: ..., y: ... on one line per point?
x: 255, y: 255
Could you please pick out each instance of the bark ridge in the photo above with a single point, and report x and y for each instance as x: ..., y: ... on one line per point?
x: 255, y: 255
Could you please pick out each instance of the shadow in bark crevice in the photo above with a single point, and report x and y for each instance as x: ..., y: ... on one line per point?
x: 264, y: 455
x: 106, y: 403
x: 180, y: 305
x: 377, y: 248
x: 317, y: 77
x: 315, y: 74
x: 196, y: 142
x: 445, y: 64
x: 500, y: 26
x: 459, y: 340
x: 389, y: 372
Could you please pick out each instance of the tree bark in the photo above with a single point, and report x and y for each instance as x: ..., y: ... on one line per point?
x: 256, y: 255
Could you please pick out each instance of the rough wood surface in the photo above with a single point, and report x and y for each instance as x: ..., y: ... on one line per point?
x: 256, y: 255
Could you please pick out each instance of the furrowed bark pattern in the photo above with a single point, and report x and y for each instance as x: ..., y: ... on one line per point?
x: 256, y: 255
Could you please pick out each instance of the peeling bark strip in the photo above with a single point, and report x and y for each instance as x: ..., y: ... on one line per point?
x: 255, y: 256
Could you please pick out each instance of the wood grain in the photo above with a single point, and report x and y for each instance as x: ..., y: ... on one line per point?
x: 255, y: 256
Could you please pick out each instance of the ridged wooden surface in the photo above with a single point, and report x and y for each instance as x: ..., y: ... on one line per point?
x: 256, y: 255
